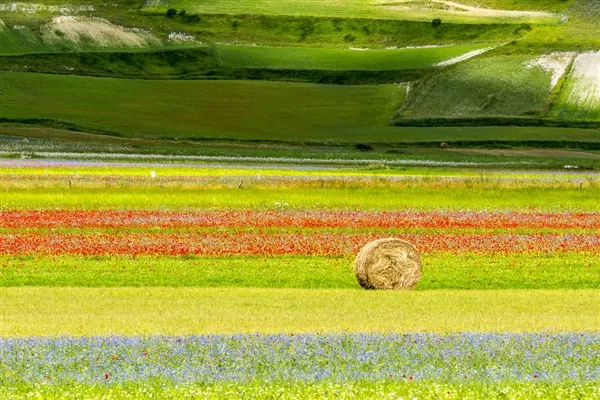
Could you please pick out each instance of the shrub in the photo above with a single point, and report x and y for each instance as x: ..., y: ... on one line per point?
x: 171, y: 12
x: 364, y: 146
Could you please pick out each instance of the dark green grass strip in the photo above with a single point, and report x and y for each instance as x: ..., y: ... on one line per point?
x: 441, y: 271
x: 212, y: 109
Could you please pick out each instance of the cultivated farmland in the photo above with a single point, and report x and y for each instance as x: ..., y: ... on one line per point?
x: 328, y: 59
x: 581, y: 98
x: 494, y: 86
x: 185, y: 185
x: 212, y: 109
x: 201, y: 269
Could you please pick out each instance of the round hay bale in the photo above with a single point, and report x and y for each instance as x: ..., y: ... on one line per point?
x: 388, y: 264
x: 444, y: 145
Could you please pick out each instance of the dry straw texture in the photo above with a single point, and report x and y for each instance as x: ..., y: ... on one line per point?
x: 388, y: 264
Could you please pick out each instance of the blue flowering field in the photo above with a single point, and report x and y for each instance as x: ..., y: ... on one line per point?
x: 310, y: 365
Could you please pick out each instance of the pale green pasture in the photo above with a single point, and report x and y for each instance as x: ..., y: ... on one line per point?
x: 498, y: 86
x: 580, y: 97
x: 37, y: 311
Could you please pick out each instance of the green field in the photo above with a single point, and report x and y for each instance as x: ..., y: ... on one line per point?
x: 35, y: 311
x: 245, y: 109
x: 419, y: 10
x: 580, y: 99
x: 441, y: 271
x: 471, y: 194
x: 253, y: 111
x: 334, y: 59
x: 342, y: 391
x: 487, y: 87
x: 17, y: 41
x: 169, y: 173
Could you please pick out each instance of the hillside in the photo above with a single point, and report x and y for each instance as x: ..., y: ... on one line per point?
x: 348, y: 73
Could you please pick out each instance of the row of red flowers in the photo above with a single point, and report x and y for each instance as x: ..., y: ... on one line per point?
x: 309, y: 243
x: 303, y: 219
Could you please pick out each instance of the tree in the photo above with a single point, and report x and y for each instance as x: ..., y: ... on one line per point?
x: 171, y: 12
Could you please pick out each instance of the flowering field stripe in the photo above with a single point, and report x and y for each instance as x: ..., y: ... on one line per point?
x: 50, y: 168
x: 457, y: 358
x: 283, y: 243
x: 441, y: 271
x: 43, y: 311
x: 152, y: 389
x: 296, y: 218
x: 483, y: 195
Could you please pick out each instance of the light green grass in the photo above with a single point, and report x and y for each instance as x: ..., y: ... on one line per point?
x: 202, y: 109
x: 469, y: 195
x: 166, y: 171
x: 38, y: 311
x: 419, y: 10
x: 485, y: 87
x: 440, y: 271
x: 337, y: 59
x: 425, y: 390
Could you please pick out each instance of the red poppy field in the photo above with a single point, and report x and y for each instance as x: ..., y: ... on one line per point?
x: 553, y: 246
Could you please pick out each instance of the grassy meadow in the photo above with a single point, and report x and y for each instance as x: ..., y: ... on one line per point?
x: 442, y: 271
x: 362, y: 390
x: 76, y: 311
x: 470, y: 194
x: 150, y: 108
x: 319, y: 59
x: 226, y: 113
x: 493, y: 86
x: 419, y: 11
x: 581, y: 98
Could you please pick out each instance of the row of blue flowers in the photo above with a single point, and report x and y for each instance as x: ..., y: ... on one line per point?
x: 466, y: 357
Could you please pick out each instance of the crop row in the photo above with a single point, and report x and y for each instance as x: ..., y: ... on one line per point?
x: 281, y: 243
x: 300, y: 219
x: 307, y: 390
x: 467, y: 357
x: 440, y: 271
